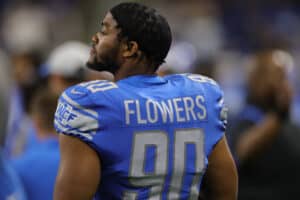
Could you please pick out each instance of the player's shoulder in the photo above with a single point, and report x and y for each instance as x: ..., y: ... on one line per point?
x: 86, y: 92
x: 76, y: 114
x: 197, y: 80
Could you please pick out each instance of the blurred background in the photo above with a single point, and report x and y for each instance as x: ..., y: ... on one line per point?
x: 217, y: 38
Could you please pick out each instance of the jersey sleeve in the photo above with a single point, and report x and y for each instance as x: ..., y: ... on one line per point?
x: 219, y: 113
x: 221, y: 110
x: 75, y: 115
x: 216, y: 100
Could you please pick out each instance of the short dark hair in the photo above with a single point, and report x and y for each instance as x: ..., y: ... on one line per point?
x: 145, y: 26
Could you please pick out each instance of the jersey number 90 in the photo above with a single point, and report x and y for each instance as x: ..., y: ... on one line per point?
x: 156, y: 179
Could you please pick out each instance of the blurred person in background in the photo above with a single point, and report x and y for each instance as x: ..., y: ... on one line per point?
x: 38, y: 166
x: 65, y: 65
x: 264, y: 140
x: 25, y: 70
x: 120, y: 140
x: 63, y: 68
x: 10, y: 185
x: 26, y: 49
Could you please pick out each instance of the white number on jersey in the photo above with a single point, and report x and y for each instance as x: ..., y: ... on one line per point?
x: 156, y: 179
x: 201, y: 79
x: 99, y: 85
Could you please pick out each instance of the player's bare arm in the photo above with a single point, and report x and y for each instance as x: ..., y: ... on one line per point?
x: 221, y: 179
x: 79, y: 171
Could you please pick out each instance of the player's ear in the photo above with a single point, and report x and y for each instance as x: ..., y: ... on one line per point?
x: 130, y: 49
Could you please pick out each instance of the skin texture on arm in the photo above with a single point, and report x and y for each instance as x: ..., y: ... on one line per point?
x: 221, y: 179
x: 79, y: 171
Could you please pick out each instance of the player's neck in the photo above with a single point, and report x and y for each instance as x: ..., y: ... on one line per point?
x: 132, y: 69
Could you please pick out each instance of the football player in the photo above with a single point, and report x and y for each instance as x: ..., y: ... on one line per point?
x: 141, y: 136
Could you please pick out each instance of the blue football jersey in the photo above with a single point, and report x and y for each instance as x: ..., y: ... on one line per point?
x: 154, y: 134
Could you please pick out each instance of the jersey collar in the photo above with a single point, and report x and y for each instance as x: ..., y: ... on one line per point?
x: 143, y: 80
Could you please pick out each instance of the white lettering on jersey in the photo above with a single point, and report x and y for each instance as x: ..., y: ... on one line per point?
x: 166, y: 110
x: 128, y: 111
x: 189, y: 108
x: 199, y: 102
x: 139, y: 117
x: 180, y: 109
x: 151, y: 108
x: 72, y: 118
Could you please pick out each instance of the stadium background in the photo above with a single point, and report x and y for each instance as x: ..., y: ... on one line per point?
x: 215, y: 37
x: 212, y: 37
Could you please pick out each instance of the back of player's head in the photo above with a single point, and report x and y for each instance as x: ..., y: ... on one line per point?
x: 147, y: 27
